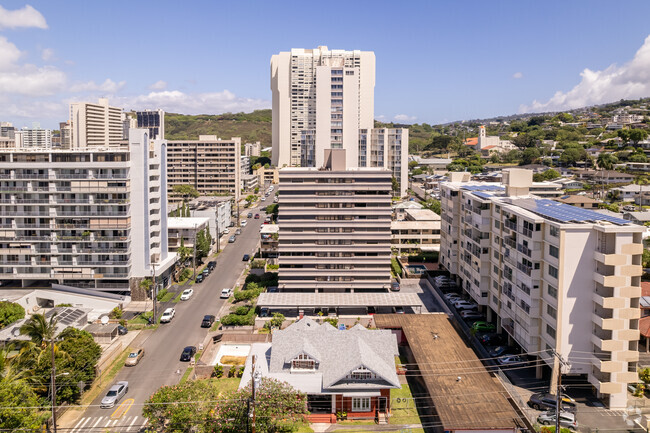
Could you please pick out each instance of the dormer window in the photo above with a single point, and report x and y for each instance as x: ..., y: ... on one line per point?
x: 303, y: 362
x: 361, y: 373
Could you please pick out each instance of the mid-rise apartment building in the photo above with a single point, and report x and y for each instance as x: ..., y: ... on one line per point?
x: 65, y: 135
x: 327, y: 95
x: 551, y: 276
x: 252, y: 149
x: 7, y: 129
x: 34, y: 137
x: 387, y: 148
x: 209, y: 164
x: 96, y: 124
x: 88, y: 217
x: 417, y: 232
x: 334, y: 228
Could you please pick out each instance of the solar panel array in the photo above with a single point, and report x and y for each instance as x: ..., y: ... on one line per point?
x: 67, y: 316
x: 483, y: 188
x: 566, y: 213
x: 483, y: 195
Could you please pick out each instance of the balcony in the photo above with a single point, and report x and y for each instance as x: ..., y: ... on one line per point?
x: 610, y: 259
x: 604, y: 363
x: 609, y: 280
x: 512, y: 225
x: 608, y: 324
x: 608, y: 302
x: 603, y: 340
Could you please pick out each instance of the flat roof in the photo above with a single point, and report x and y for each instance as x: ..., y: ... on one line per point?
x: 269, y: 229
x: 293, y: 299
x: 186, y: 223
x: 477, y: 401
x: 423, y: 214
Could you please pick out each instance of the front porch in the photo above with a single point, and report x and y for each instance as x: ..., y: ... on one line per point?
x: 328, y: 408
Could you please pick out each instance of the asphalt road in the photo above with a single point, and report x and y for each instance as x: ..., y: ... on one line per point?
x: 161, y: 363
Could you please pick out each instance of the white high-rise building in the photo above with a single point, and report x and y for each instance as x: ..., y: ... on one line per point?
x: 321, y: 96
x: 92, y: 218
x: 35, y: 137
x: 552, y: 277
x: 96, y: 125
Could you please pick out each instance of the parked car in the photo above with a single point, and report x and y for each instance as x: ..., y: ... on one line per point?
x: 212, y: 265
x: 453, y: 298
x: 250, y: 215
x: 451, y: 295
x: 231, y: 239
x: 511, y: 360
x: 257, y: 216
x: 246, y: 258
x: 394, y: 286
x: 471, y: 315
x: 188, y: 353
x: 243, y: 223
x: 208, y: 321
x: 134, y: 357
x: 199, y: 278
x: 482, y: 326
x: 238, y: 231
x: 546, y: 400
x: 491, y: 339
x: 114, y: 394
x: 122, y: 330
x: 465, y: 305
x: 398, y: 310
x: 226, y: 231
x: 187, y: 294
x: 567, y: 419
x: 225, y: 293
x: 167, y: 315
x: 500, y: 351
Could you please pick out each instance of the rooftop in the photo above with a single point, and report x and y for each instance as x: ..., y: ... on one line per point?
x: 464, y: 393
x: 422, y: 214
x: 291, y: 299
x: 569, y: 199
x: 186, y: 223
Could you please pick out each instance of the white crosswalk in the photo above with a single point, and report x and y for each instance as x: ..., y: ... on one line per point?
x: 107, y: 424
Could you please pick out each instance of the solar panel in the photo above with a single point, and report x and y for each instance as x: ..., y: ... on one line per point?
x: 483, y: 194
x: 566, y: 213
x: 483, y: 188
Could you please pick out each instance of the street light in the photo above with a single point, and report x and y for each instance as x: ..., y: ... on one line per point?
x: 54, y: 376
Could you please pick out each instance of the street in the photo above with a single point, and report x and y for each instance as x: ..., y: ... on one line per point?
x: 161, y: 364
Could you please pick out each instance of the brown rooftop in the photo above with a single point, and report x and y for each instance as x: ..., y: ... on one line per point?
x: 477, y: 401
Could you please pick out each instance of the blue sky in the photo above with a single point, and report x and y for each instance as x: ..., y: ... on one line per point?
x: 436, y: 61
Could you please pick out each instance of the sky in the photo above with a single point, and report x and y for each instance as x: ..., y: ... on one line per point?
x: 436, y: 61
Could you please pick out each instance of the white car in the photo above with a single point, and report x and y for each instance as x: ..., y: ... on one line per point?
x: 451, y: 295
x: 187, y: 294
x: 465, y: 305
x: 243, y: 223
x: 511, y: 359
x: 225, y: 293
x: 167, y: 315
x: 114, y: 395
x: 226, y: 231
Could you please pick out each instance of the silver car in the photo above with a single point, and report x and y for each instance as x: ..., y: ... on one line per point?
x: 115, y: 394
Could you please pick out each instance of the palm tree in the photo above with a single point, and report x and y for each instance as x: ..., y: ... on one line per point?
x: 606, y: 161
x: 11, y: 366
x: 39, y: 329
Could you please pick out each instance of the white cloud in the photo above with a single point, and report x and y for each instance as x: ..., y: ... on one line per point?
x: 403, y: 118
x: 192, y: 103
x: 47, y: 54
x: 26, y: 79
x: 159, y: 85
x: 628, y: 81
x: 25, y: 17
x: 381, y: 118
x: 9, y: 54
x: 107, y: 87
x: 517, y: 75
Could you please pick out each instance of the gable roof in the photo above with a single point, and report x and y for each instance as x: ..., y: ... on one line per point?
x: 337, y: 352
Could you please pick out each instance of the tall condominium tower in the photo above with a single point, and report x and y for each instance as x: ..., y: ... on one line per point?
x: 154, y: 121
x: 95, y: 125
x: 321, y: 97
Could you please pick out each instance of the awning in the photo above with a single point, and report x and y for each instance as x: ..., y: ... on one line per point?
x: 362, y: 394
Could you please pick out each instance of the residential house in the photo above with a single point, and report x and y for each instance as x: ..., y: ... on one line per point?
x: 399, y: 209
x: 629, y: 192
x: 637, y: 217
x: 579, y: 201
x: 604, y: 176
x: 349, y: 371
x: 569, y: 183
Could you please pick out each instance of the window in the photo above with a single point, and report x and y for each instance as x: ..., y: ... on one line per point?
x: 361, y: 374
x: 551, y: 311
x: 361, y: 404
x: 554, y: 251
x: 554, y: 231
x: 552, y: 271
x: 552, y: 291
x: 303, y: 362
x: 550, y: 330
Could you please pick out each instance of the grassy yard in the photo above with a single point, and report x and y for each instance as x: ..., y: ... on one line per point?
x: 167, y: 297
x: 186, y: 375
x: 106, y: 377
x: 404, y: 410
x: 178, y: 297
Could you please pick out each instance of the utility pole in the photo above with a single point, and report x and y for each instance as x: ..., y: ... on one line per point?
x: 218, y: 232
x: 558, y: 390
x: 153, y: 292
x: 53, y: 386
x: 194, y: 254
x: 253, y: 393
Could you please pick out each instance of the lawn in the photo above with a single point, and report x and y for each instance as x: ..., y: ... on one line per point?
x: 166, y: 297
x: 178, y: 297
x: 105, y: 377
x: 186, y: 375
x: 403, y: 406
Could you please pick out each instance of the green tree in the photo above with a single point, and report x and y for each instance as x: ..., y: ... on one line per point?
x: 572, y: 155
x: 278, y: 411
x: 10, y: 312
x: 19, y: 410
x: 606, y: 160
x: 530, y: 155
x: 39, y: 329
x: 523, y: 141
x: 646, y: 258
x: 185, y: 191
x: 202, y: 245
x: 624, y: 134
x: 395, y: 186
x: 433, y: 205
x: 637, y: 135
x: 184, y: 252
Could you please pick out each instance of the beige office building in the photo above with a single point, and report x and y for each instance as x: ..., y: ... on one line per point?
x: 96, y: 125
x: 553, y: 277
x: 334, y: 228
x: 209, y: 164
x: 321, y: 96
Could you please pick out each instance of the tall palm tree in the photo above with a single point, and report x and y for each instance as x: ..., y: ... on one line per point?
x: 39, y: 329
x: 606, y: 161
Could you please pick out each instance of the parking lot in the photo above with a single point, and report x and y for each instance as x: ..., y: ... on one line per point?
x: 519, y: 377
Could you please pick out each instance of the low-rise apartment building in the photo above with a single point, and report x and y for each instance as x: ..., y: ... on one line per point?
x: 551, y: 276
x: 418, y: 232
x: 267, y: 176
x: 88, y: 218
x: 210, y: 164
x: 183, y: 231
x: 269, y: 240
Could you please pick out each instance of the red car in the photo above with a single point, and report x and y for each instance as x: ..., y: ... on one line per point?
x: 257, y: 216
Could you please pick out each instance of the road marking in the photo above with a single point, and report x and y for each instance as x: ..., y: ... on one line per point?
x: 98, y: 420
x: 135, y: 418
x: 108, y: 423
x: 123, y: 408
x: 82, y: 422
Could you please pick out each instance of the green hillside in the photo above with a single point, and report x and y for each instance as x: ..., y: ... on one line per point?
x: 251, y: 127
